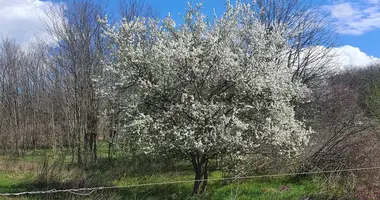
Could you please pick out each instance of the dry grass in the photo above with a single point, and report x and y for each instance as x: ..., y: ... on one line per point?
x: 17, y: 166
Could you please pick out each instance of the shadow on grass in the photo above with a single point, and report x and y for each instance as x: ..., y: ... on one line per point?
x: 58, y: 175
x: 14, y: 188
x: 170, y: 192
x: 106, y: 171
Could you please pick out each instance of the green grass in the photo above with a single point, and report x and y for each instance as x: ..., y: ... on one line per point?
x: 12, y: 182
x: 20, y: 174
x: 263, y: 189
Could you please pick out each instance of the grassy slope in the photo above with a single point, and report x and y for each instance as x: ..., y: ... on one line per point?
x: 20, y: 174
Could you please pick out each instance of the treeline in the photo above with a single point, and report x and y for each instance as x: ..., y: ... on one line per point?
x: 47, y: 97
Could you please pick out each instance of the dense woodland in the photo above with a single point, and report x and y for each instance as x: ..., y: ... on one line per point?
x: 200, y: 92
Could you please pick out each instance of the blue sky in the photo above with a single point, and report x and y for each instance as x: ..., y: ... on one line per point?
x: 357, y: 22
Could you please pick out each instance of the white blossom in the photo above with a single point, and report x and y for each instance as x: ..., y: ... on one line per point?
x: 206, y: 88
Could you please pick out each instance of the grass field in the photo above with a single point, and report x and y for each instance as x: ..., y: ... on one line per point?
x: 37, y: 171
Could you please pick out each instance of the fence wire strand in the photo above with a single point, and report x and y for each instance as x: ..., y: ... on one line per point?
x: 89, y: 191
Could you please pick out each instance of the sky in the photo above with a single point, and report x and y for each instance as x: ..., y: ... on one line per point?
x: 357, y: 22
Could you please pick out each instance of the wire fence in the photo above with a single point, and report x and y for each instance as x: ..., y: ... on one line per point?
x: 89, y: 191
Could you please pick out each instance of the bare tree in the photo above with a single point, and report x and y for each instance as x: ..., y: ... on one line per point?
x: 23, y: 98
x: 129, y: 9
x: 308, y: 32
x: 10, y: 68
x: 75, y: 27
x: 346, y: 128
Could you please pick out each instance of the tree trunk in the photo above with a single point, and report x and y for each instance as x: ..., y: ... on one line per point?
x: 205, y: 177
x: 197, y: 182
x: 95, y: 149
x: 200, y: 164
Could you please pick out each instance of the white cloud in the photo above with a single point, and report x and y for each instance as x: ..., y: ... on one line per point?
x: 343, y: 11
x: 338, y: 59
x: 21, y: 19
x: 348, y: 56
x: 345, y: 57
x: 356, y: 17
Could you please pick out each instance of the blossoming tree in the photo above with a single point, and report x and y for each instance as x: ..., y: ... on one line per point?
x: 204, y: 89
